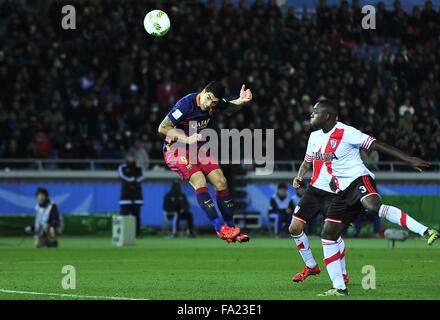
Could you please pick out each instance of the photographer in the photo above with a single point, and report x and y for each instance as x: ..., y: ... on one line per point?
x: 48, y: 221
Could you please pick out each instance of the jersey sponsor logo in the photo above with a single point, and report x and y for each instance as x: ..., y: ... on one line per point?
x: 200, y: 124
x: 177, y: 114
x: 326, y: 156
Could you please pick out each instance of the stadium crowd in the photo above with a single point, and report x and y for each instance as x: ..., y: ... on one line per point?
x: 103, y: 88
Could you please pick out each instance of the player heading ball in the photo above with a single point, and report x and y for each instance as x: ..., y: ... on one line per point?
x: 198, y: 108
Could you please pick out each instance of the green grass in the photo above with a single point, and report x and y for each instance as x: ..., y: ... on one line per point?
x: 207, y: 268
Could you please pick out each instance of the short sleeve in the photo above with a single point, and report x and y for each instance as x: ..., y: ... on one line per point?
x: 178, y: 112
x: 358, y: 138
x: 309, y: 153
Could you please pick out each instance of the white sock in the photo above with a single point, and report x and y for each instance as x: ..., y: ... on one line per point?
x: 397, y: 216
x: 341, y: 245
x: 333, y: 263
x: 302, y: 244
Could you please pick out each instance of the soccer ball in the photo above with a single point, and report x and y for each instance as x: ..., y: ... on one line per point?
x: 157, y: 23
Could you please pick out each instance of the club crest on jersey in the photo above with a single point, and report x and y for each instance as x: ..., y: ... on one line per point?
x: 333, y: 143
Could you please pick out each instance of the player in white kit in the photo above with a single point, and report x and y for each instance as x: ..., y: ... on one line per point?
x: 315, y: 200
x: 338, y: 146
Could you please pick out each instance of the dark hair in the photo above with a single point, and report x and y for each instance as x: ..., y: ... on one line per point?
x: 43, y: 191
x: 329, y: 106
x: 216, y: 88
x: 282, y: 185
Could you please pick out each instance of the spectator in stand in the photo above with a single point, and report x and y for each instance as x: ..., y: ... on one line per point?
x: 167, y: 91
x: 69, y: 86
x: 43, y: 146
x: 140, y: 155
x: 281, y: 210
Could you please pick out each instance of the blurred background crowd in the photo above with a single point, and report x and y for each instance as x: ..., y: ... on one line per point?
x: 102, y: 89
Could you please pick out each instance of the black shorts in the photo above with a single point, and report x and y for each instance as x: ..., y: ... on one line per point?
x: 314, y: 201
x: 347, y: 206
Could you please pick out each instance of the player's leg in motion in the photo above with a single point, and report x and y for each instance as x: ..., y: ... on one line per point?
x: 198, y: 182
x: 226, y: 205
x: 312, y: 203
x: 395, y: 215
x: 298, y: 235
x: 341, y: 245
x: 330, y: 235
x: 224, y: 199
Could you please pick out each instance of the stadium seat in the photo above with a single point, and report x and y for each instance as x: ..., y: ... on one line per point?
x: 271, y: 223
x: 168, y: 218
x: 248, y: 219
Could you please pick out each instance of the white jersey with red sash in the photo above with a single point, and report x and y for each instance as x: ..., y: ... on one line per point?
x: 336, y: 154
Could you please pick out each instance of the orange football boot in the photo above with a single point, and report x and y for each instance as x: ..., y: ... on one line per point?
x: 301, y: 276
x: 228, y: 233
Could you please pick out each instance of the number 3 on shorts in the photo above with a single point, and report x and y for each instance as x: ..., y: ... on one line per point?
x: 363, y: 189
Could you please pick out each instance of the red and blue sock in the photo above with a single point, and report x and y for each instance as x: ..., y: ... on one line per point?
x: 226, y: 206
x: 208, y: 206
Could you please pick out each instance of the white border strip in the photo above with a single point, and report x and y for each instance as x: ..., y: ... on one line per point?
x: 68, y: 295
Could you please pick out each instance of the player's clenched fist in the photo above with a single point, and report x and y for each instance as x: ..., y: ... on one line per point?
x: 194, y: 138
x: 297, y: 182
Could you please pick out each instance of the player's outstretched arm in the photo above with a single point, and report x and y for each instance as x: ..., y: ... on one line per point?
x: 305, y: 166
x: 414, y: 162
x: 245, y: 97
x: 168, y: 129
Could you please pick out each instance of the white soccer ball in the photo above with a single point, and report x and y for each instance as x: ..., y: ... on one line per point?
x: 157, y: 23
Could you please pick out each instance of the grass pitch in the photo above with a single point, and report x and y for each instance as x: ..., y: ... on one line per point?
x: 208, y: 268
